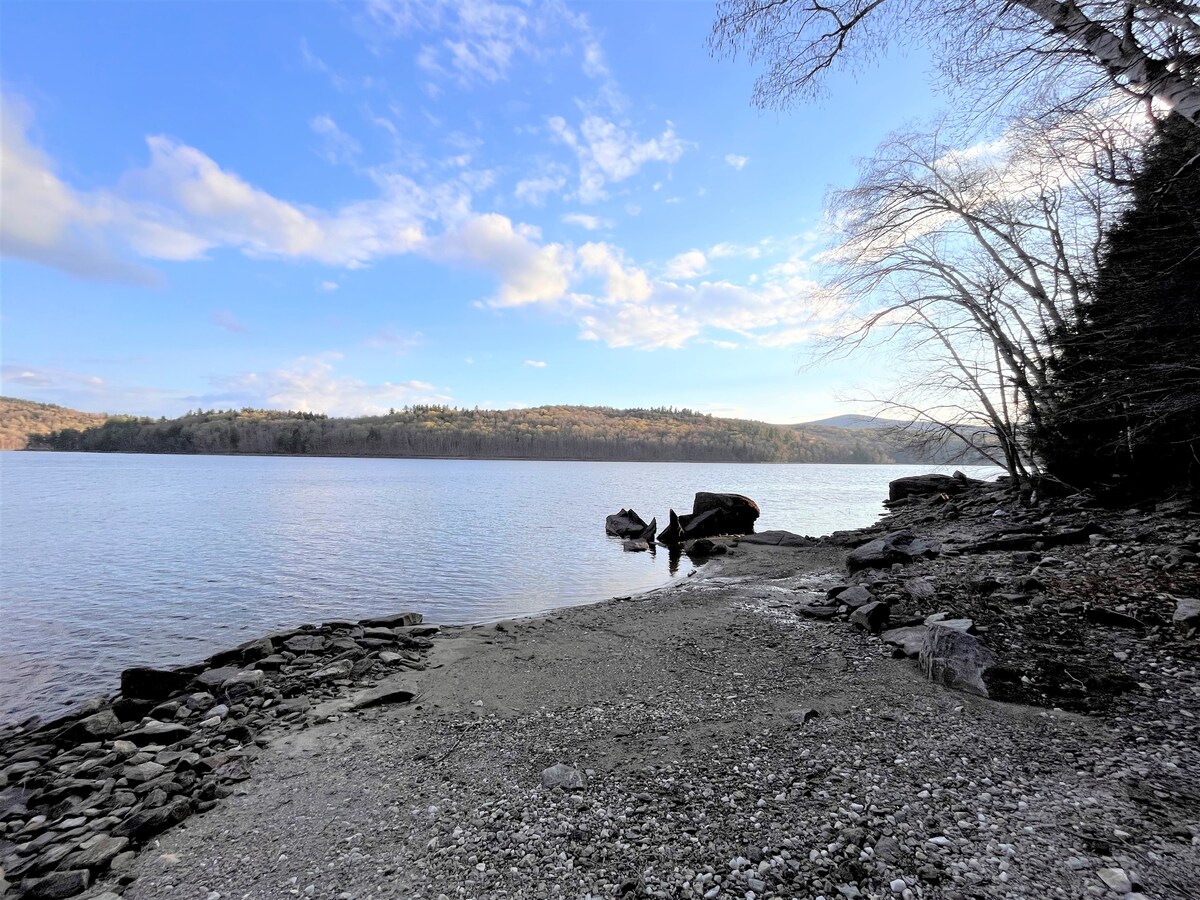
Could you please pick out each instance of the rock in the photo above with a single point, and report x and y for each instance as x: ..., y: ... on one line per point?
x: 897, y: 547
x: 396, y: 620
x: 816, y: 612
x: 779, y: 539
x: 212, y: 679
x: 1116, y: 879
x: 871, y: 617
x: 256, y: 650
x: 305, y: 643
x: 635, y: 546
x: 149, y: 822
x: 887, y: 849
x: 712, y: 515
x: 97, y: 727
x: 99, y: 854
x: 243, y: 684
x: 563, y: 776
x: 673, y: 533
x: 908, y: 639
x: 1187, y: 613
x: 142, y: 773
x: 200, y: 701
x: 628, y: 524
x: 956, y: 659
x: 57, y: 885
x: 802, y: 715
x: 143, y: 683
x: 944, y: 619
x: 155, y: 732
x: 854, y: 596
x: 704, y: 547
x: 1113, y: 619
x: 925, y: 485
x: 919, y: 589
x: 339, y: 669
x: 382, y: 697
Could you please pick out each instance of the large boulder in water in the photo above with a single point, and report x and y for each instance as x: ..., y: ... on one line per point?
x: 711, y: 515
x: 926, y: 485
x: 628, y: 524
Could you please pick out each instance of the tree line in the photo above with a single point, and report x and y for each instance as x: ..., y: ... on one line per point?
x: 549, y: 432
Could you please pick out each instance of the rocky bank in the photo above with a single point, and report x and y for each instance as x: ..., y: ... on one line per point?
x: 753, y: 731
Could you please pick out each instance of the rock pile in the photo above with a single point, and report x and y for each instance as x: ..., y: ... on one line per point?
x: 79, y: 794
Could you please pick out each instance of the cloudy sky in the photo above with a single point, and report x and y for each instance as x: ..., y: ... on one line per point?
x: 344, y: 207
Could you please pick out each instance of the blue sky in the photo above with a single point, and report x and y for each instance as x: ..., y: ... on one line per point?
x: 345, y: 207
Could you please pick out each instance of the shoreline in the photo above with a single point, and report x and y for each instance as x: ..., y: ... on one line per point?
x: 677, y: 700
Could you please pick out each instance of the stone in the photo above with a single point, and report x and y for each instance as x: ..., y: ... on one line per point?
x: 635, y: 546
x: 211, y: 679
x: 704, y: 547
x: 383, y: 697
x: 149, y: 822
x: 200, y: 701
x: 562, y: 776
x: 397, y: 620
x: 1110, y: 618
x: 898, y: 547
x: 333, y: 671
x: 243, y: 684
x: 306, y: 643
x: 802, y: 715
x: 142, y: 683
x: 99, y: 854
x: 253, y: 651
x: 926, y: 485
x: 854, y: 596
x: 815, y: 611
x: 871, y: 617
x: 1187, y: 613
x: 919, y: 589
x: 908, y: 639
x: 887, y: 849
x: 56, y: 885
x: 155, y: 732
x: 1116, y: 879
x: 142, y: 772
x: 628, y: 524
x: 97, y: 727
x: 711, y: 515
x: 779, y: 539
x: 956, y: 659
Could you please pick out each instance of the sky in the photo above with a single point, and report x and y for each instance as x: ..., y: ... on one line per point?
x: 346, y: 207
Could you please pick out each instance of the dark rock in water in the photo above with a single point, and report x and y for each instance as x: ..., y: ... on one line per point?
x: 142, y: 683
x: 625, y: 524
x: 393, y: 621
x: 925, y: 485
x: 649, y: 531
x: 897, y: 547
x: 871, y: 617
x: 779, y: 539
x: 704, y: 547
x: 711, y: 515
x: 635, y: 546
x: 57, y: 885
x: 956, y: 659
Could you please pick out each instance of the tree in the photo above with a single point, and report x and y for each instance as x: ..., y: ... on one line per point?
x: 964, y: 260
x: 1149, y: 49
x: 1126, y: 375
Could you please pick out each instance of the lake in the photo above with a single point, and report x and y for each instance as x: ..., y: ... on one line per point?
x: 110, y: 561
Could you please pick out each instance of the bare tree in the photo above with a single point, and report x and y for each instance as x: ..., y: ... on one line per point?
x: 968, y: 259
x: 1149, y: 49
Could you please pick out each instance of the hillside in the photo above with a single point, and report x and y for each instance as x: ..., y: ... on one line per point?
x: 21, y: 418
x: 548, y: 432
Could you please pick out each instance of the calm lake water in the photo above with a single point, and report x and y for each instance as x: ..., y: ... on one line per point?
x: 110, y: 561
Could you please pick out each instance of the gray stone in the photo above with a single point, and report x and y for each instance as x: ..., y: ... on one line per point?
x: 956, y: 659
x: 854, y: 596
x: 634, y: 546
x: 908, y: 639
x: 887, y: 849
x: 243, y: 684
x: 99, y: 726
x: 141, y: 683
x: 1187, y: 613
x: 871, y: 617
x: 897, y: 547
x: 143, y: 772
x: 155, y: 732
x: 305, y: 643
x: 56, y: 885
x: 1116, y: 879
x: 99, y: 853
x: 778, y: 539
x: 920, y: 589
x: 383, y: 697
x: 333, y: 671
x: 200, y: 701
x: 212, y: 679
x: 560, y: 775
x: 149, y: 822
x: 396, y: 620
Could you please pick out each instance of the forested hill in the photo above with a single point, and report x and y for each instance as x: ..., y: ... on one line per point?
x: 548, y: 432
x: 21, y: 418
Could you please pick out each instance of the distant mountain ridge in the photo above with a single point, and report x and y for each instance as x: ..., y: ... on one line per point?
x: 547, y: 432
x: 853, y: 421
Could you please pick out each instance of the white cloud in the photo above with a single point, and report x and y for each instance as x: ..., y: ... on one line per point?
x: 337, y: 146
x: 529, y: 272
x: 738, y: 162
x: 535, y: 190
x: 583, y: 220
x: 389, y: 337
x: 329, y: 286
x: 609, y: 153
x: 686, y: 266
x: 223, y: 318
x: 535, y: 364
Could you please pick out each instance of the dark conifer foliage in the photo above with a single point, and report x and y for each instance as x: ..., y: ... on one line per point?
x: 1123, y: 411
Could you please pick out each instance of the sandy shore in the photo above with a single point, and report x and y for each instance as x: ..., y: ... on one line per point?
x: 686, y: 711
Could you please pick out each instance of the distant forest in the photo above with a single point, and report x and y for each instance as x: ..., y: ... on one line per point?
x: 547, y: 432
x: 21, y: 418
